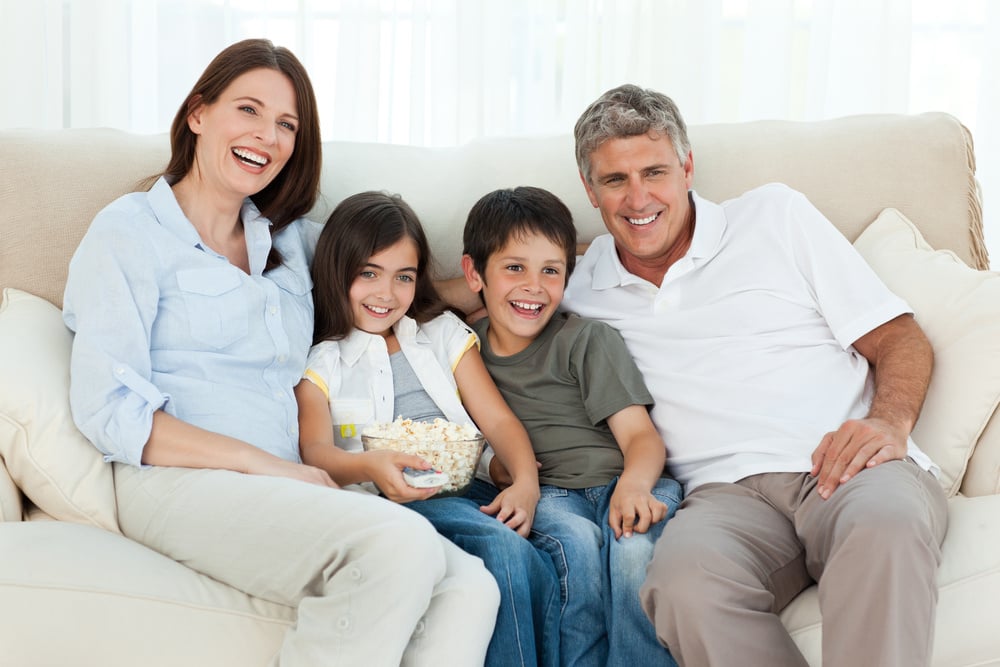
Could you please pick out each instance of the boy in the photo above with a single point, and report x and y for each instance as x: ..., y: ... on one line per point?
x: 604, y: 496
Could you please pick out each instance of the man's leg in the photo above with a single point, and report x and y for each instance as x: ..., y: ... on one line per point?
x: 566, y: 528
x: 631, y: 637
x: 874, y: 547
x: 722, y: 569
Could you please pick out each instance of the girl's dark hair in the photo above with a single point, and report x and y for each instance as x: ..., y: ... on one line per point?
x: 361, y: 226
x: 293, y: 191
x: 502, y: 215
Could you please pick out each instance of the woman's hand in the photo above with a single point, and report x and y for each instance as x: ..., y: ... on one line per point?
x: 515, y: 507
x: 385, y: 468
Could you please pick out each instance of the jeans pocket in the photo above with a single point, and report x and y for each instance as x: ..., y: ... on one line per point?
x: 548, y: 491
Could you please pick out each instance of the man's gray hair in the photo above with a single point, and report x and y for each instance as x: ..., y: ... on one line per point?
x: 628, y: 111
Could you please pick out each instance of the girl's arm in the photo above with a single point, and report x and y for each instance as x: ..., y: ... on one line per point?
x: 173, y: 442
x: 515, y: 505
x: 633, y: 507
x: 317, y: 448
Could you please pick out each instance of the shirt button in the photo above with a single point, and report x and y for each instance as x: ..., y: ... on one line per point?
x: 281, y: 358
x: 343, y: 622
x: 273, y: 310
x: 277, y: 394
x: 120, y: 371
x: 355, y: 573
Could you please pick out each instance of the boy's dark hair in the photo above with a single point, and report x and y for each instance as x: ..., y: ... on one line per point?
x: 513, y: 213
x: 361, y: 226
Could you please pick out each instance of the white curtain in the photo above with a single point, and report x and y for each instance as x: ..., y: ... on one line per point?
x: 442, y: 72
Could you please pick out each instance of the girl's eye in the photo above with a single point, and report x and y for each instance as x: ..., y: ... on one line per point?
x: 367, y: 274
x: 405, y: 278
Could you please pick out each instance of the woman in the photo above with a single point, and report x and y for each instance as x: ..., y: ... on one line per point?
x: 193, y: 317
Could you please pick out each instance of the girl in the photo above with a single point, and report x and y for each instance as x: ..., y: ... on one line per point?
x: 191, y: 308
x: 384, y: 346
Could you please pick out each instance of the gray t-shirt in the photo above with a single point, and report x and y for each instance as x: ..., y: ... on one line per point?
x: 563, y: 387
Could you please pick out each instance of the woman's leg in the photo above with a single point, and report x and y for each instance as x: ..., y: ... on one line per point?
x: 360, y: 571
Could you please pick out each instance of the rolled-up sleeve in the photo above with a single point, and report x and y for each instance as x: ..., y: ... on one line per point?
x: 110, y: 303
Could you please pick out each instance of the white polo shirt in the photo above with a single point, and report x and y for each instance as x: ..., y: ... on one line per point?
x: 746, y: 345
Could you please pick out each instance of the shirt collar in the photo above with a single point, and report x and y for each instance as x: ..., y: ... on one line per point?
x: 710, y: 224
x: 356, y: 343
x: 256, y: 228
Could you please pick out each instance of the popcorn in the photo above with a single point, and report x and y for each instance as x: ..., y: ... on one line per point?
x: 447, y: 446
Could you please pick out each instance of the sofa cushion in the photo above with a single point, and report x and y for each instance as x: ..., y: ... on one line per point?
x: 10, y: 497
x: 957, y: 308
x: 78, y: 595
x: 55, y: 466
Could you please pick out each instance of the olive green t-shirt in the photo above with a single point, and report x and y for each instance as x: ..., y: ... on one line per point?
x: 563, y: 387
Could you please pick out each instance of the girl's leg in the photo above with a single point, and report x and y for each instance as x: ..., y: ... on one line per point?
x: 527, y: 623
x: 565, y: 527
x: 360, y: 571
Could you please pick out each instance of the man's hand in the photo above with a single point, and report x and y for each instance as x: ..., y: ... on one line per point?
x: 856, y: 445
x: 633, y: 509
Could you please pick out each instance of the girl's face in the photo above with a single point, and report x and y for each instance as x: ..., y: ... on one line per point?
x: 384, y: 288
x: 246, y: 137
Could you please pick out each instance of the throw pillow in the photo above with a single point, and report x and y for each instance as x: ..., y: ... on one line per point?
x: 959, y: 310
x: 54, y: 465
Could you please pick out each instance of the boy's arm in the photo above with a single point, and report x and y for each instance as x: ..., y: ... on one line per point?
x: 633, y: 507
x: 515, y: 505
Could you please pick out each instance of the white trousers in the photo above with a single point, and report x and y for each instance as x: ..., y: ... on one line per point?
x: 373, y: 582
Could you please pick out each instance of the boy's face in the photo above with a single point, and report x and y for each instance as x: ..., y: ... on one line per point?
x: 522, y: 288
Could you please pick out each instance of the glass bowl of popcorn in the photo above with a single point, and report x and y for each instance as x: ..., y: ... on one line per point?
x: 451, y: 448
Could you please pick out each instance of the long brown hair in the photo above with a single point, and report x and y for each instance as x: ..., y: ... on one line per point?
x: 361, y: 226
x: 293, y: 191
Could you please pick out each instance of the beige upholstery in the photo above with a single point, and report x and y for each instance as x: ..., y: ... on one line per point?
x: 72, y: 593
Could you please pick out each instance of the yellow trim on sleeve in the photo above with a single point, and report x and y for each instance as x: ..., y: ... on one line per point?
x: 473, y: 340
x: 314, y: 377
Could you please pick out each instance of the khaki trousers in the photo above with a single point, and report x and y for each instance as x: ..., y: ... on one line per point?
x: 735, y: 554
x: 373, y: 582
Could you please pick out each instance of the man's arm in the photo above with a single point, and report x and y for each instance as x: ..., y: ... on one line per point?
x: 902, y: 358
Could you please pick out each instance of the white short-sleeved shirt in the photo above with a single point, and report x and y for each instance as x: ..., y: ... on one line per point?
x: 355, y: 374
x: 746, y: 346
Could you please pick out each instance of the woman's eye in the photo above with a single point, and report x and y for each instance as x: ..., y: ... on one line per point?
x: 288, y: 126
x: 248, y: 109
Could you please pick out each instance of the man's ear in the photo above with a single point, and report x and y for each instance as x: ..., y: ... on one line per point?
x: 472, y: 277
x: 590, y: 191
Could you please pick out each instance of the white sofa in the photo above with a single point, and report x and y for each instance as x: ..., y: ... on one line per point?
x: 74, y: 591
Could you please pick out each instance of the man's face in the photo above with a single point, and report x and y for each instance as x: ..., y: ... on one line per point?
x: 641, y: 188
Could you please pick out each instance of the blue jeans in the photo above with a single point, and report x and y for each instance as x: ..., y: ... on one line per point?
x: 527, y: 627
x: 602, y: 620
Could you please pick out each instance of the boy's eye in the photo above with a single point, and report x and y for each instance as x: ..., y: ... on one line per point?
x: 514, y: 268
x: 550, y: 270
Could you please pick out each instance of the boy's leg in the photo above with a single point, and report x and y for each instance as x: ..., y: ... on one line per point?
x: 527, y: 623
x: 352, y: 564
x: 631, y: 636
x: 565, y: 528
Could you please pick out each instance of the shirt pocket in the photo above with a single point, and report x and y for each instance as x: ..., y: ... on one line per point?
x: 217, y: 307
x: 350, y: 415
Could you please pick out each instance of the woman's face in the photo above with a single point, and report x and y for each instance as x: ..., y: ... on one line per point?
x: 247, y: 135
x: 384, y: 289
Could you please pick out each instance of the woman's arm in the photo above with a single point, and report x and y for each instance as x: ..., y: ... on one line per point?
x: 317, y: 448
x: 515, y: 505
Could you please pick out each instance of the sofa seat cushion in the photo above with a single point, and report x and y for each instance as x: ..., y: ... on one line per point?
x: 71, y: 590
x: 968, y: 582
x: 54, y: 465
x: 957, y: 308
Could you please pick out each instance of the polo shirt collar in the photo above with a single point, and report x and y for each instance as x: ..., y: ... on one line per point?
x: 356, y: 343
x: 710, y: 225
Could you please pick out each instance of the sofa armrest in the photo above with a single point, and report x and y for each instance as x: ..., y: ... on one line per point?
x: 11, y: 507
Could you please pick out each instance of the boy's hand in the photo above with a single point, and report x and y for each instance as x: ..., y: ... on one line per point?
x: 385, y: 468
x: 515, y: 507
x: 633, y: 509
x: 498, y: 473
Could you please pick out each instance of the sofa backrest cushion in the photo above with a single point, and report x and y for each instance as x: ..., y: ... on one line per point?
x: 46, y: 456
x: 959, y: 310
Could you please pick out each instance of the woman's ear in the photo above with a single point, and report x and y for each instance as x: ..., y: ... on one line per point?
x: 194, y: 117
x: 472, y: 277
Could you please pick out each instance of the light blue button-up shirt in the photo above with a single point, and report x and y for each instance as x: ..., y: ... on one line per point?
x: 164, y: 322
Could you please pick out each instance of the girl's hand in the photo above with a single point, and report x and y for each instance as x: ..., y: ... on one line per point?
x: 633, y: 508
x: 515, y: 507
x: 385, y: 468
x: 276, y: 467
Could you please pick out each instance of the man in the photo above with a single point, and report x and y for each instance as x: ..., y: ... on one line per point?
x: 786, y: 380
